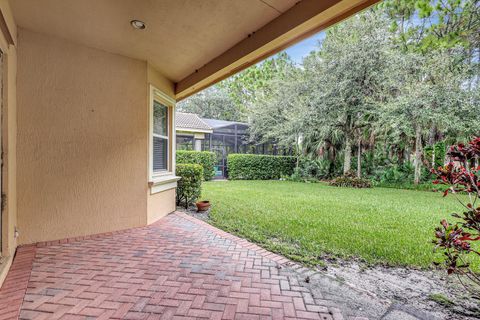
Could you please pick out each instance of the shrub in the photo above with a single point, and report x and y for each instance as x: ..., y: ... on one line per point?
x: 460, y: 238
x: 311, y: 170
x: 435, y: 154
x: 204, y: 158
x: 259, y: 167
x: 394, y: 174
x: 190, y: 184
x: 350, y: 180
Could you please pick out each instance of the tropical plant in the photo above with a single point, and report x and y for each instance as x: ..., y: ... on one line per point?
x: 459, y: 239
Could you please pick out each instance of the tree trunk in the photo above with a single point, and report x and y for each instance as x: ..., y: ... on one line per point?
x: 432, y: 137
x: 401, y: 155
x: 433, y: 156
x: 359, y: 159
x: 332, y: 156
x: 418, y: 153
x: 347, y: 162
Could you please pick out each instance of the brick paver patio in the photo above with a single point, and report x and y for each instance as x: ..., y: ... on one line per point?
x: 177, y: 268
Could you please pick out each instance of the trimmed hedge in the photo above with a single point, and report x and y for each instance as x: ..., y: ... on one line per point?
x: 259, y: 167
x: 204, y: 158
x: 189, y: 186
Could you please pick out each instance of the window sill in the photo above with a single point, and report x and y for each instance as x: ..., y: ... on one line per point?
x: 162, y: 183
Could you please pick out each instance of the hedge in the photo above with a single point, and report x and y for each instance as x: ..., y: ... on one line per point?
x: 189, y: 186
x: 204, y: 158
x: 259, y: 167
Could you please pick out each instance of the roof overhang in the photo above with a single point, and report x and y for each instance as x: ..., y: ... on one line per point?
x: 304, y: 19
x: 191, y: 130
x: 190, y: 44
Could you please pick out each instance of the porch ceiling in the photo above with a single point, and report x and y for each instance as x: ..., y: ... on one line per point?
x: 193, y: 43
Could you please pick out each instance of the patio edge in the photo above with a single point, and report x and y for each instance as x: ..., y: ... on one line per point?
x: 15, y: 285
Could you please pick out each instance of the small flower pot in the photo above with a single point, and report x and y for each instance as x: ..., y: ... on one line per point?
x: 202, y: 205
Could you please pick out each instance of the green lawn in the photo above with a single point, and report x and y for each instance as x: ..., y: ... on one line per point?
x: 311, y: 222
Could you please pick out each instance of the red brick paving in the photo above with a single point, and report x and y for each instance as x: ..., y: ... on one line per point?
x: 177, y: 268
x: 15, y: 284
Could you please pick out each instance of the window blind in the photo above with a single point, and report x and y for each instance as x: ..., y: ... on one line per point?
x: 160, y: 137
x: 160, y: 146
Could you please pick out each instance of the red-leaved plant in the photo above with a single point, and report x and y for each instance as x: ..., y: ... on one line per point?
x: 457, y: 239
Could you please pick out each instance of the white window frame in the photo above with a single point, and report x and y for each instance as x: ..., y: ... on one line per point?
x: 165, y: 179
x: 167, y: 170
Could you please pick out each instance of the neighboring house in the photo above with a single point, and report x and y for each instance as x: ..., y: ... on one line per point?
x: 191, y: 131
x: 88, y: 94
x: 219, y: 136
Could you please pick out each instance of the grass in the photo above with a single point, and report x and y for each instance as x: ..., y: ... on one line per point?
x: 441, y: 299
x: 312, y: 222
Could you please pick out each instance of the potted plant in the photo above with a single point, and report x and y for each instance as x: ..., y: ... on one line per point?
x: 202, y: 205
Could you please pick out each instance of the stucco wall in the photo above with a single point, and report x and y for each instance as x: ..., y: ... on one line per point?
x: 9, y: 134
x: 82, y: 139
x: 160, y: 204
x: 157, y: 80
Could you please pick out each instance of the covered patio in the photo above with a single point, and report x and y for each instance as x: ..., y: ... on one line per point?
x: 176, y: 268
x: 88, y: 95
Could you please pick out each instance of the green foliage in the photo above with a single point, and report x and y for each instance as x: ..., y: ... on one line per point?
x: 435, y: 154
x: 245, y: 87
x: 312, y: 222
x: 346, y: 82
x: 259, y: 167
x: 204, y: 158
x: 425, y: 25
x: 190, y: 185
x: 378, y: 88
x: 441, y: 299
x: 408, y: 185
x: 214, y: 102
x: 350, y: 181
x: 309, y: 170
x: 395, y: 173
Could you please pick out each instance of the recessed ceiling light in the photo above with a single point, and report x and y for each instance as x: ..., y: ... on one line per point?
x: 137, y: 24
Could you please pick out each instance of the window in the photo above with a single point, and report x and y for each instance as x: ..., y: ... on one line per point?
x: 161, y: 142
x: 160, y: 137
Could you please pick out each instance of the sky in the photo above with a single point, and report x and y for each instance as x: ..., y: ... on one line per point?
x: 298, y: 51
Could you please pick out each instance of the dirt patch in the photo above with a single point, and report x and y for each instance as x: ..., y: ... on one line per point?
x: 424, y: 294
x: 192, y: 211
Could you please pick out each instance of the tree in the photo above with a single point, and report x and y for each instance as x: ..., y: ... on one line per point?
x: 277, y: 114
x: 425, y: 87
x: 435, y: 58
x: 252, y: 84
x: 214, y: 102
x: 346, y: 77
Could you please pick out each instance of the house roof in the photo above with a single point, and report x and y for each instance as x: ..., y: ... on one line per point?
x: 215, y: 124
x: 190, y: 122
x: 191, y: 43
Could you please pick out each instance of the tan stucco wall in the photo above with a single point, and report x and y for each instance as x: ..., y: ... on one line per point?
x: 82, y: 139
x: 9, y: 136
x: 9, y: 127
x: 160, y: 82
x: 160, y: 204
